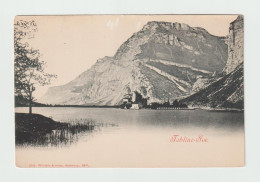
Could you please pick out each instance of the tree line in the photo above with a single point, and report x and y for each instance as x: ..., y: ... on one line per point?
x: 175, y: 104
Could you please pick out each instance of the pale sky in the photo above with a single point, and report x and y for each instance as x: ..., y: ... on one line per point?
x: 72, y: 44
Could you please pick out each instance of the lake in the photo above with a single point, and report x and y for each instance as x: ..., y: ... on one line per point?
x: 141, y: 138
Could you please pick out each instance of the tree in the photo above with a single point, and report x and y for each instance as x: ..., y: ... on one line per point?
x: 155, y: 105
x: 28, y: 67
x: 138, y: 97
x: 183, y: 105
x: 175, y: 103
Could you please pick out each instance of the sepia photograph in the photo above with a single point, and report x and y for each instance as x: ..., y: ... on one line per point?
x: 129, y: 91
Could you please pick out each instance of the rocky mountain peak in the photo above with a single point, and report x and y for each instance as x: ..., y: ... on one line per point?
x: 152, y: 25
x: 162, y: 60
x: 169, y: 41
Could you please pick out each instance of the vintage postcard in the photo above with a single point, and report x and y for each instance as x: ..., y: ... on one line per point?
x: 130, y: 91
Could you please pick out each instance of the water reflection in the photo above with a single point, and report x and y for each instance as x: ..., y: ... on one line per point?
x: 67, y: 133
x: 82, y: 121
x: 136, y: 138
x: 64, y: 133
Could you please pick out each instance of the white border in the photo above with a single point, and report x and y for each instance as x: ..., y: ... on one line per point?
x: 250, y: 9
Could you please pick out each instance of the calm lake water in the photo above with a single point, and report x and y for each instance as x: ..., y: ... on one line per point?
x: 141, y: 138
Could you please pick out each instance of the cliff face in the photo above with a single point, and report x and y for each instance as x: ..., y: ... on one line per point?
x: 235, y: 44
x: 177, y: 43
x: 161, y: 61
x: 227, y: 91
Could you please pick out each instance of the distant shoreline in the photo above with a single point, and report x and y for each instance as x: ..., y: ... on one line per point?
x: 93, y: 106
x: 118, y: 106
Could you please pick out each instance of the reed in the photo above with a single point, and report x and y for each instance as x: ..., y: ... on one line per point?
x: 40, y: 130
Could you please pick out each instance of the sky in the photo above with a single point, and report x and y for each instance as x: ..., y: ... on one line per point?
x: 72, y: 44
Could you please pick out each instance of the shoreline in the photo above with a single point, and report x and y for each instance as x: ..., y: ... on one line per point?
x: 162, y: 108
x: 37, y: 129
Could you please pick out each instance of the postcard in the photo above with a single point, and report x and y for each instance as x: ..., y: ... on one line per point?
x: 129, y: 91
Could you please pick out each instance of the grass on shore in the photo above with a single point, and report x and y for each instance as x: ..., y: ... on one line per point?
x: 36, y: 129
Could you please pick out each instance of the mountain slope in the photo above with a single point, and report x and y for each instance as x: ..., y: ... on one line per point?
x: 226, y: 92
x: 161, y: 61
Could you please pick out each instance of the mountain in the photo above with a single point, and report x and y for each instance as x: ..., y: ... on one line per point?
x: 163, y: 60
x: 227, y: 91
